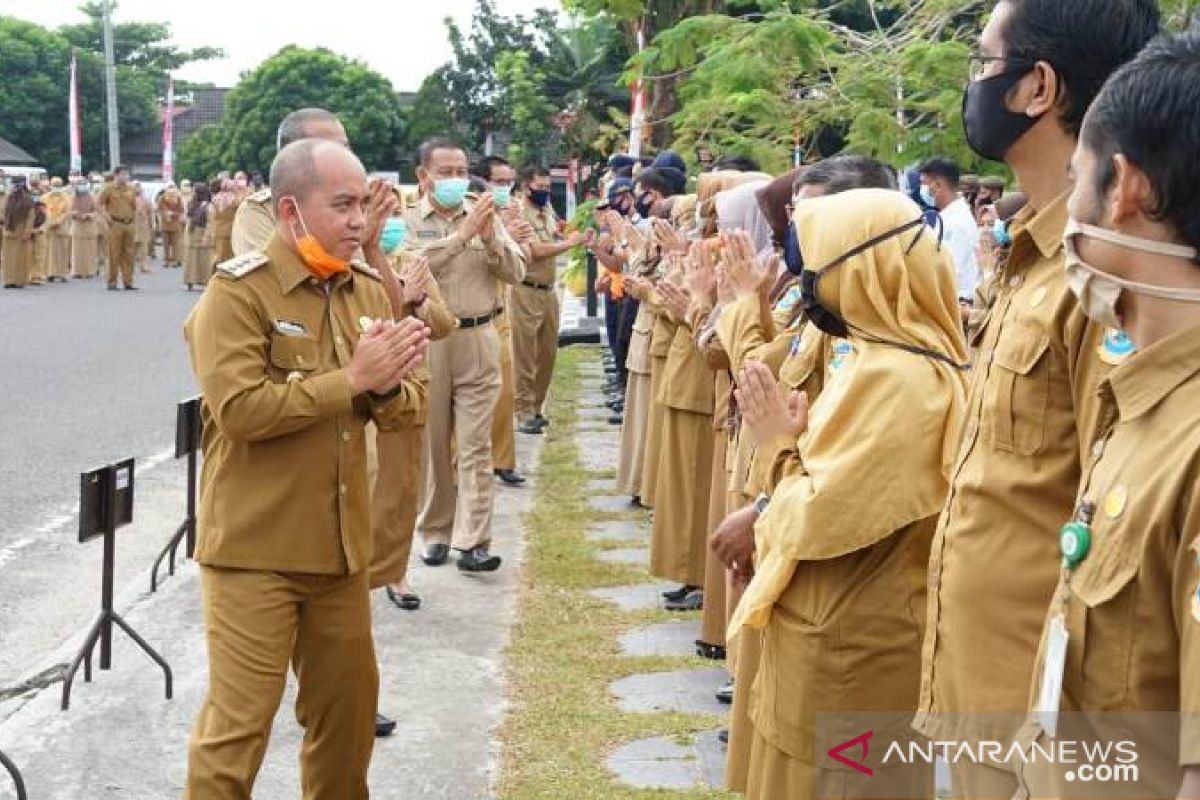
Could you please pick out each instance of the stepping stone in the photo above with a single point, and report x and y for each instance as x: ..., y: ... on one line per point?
x: 674, y: 638
x: 602, y: 486
x: 664, y: 763
x: 599, y: 412
x: 619, y: 531
x: 610, y: 504
x: 690, y: 691
x: 639, y: 597
x: 638, y: 556
x: 598, y: 451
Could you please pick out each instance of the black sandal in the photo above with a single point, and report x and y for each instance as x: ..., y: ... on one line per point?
x: 405, y: 602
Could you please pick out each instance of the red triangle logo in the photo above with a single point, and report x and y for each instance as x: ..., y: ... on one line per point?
x: 865, y: 741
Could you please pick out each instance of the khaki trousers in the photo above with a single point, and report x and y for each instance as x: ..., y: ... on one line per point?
x: 535, y: 346
x: 396, y: 474
x: 256, y: 624
x: 713, y: 618
x: 504, y: 444
x: 171, y: 247
x: 120, y: 253
x: 981, y: 782
x: 464, y: 386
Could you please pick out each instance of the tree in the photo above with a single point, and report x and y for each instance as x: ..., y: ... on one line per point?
x: 296, y: 78
x: 524, y: 105
x: 430, y: 114
x: 34, y: 87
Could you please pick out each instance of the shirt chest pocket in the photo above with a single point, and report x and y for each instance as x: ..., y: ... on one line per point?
x: 292, y: 357
x: 1019, y: 391
x: 1101, y: 620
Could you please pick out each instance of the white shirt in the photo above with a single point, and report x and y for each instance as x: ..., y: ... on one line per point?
x: 961, y: 237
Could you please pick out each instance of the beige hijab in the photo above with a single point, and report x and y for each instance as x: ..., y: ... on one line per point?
x: 882, y: 436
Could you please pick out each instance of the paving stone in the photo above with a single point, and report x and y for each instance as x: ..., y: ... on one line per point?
x: 664, y: 763
x: 690, y: 691
x: 610, y: 504
x: 638, y: 556
x: 619, y: 530
x: 638, y: 597
x: 674, y: 638
x: 598, y: 451
x: 603, y: 486
x: 595, y: 412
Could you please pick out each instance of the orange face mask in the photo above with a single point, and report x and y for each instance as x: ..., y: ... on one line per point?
x: 320, y: 262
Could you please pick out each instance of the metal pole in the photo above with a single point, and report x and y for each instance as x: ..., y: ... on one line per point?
x: 110, y: 87
x: 107, y: 577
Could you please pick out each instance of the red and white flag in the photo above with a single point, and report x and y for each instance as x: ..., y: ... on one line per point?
x: 73, y: 120
x: 168, y: 162
x: 638, y: 111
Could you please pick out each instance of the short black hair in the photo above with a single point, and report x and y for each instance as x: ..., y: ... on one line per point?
x: 477, y: 185
x: 120, y: 168
x: 941, y: 167
x: 847, y: 171
x: 656, y: 179
x: 736, y: 163
x: 1149, y: 111
x: 1084, y: 40
x: 532, y: 172
x: 434, y: 143
x: 483, y: 167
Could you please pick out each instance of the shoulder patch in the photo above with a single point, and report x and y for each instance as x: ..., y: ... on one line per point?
x: 261, y: 196
x: 365, y: 269
x: 240, y: 266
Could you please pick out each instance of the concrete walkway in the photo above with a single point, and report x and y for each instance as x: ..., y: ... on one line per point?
x: 441, y: 675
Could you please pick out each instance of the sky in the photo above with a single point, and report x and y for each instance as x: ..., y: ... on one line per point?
x: 404, y: 40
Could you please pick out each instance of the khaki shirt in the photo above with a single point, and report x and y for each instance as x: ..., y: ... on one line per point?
x: 1132, y: 608
x: 170, y: 211
x: 545, y: 225
x: 285, y: 478
x: 993, y: 565
x: 466, y: 270
x: 119, y: 203
x: 254, y: 222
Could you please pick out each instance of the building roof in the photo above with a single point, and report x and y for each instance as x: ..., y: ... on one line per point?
x: 207, y: 108
x: 11, y: 154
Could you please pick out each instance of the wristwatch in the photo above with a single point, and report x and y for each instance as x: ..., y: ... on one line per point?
x: 760, y: 504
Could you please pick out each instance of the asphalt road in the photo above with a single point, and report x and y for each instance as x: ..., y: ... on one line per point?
x: 87, y: 377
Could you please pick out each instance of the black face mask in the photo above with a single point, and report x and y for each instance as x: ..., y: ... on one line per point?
x: 990, y: 127
x: 643, y: 205
x: 793, y: 259
x: 829, y: 321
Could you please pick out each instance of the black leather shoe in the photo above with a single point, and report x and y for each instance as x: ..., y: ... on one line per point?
x: 725, y: 694
x: 680, y: 593
x: 112, y: 287
x: 713, y: 652
x: 131, y: 288
x: 616, y: 419
x: 541, y: 421
x: 436, y: 554
x: 384, y: 726
x: 530, y: 427
x: 404, y: 601
x: 693, y: 602
x: 723, y: 736
x: 510, y: 476
x: 478, y: 560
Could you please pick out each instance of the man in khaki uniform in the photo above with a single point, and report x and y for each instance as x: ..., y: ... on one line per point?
x: 255, y: 218
x: 118, y: 202
x: 170, y: 222
x: 468, y: 251
x: 1032, y: 404
x: 1122, y: 635
x: 535, y: 304
x: 295, y: 352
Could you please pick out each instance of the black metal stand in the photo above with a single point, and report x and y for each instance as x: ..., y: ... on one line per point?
x: 187, y: 443
x: 104, y: 483
x: 592, y: 274
x: 15, y: 774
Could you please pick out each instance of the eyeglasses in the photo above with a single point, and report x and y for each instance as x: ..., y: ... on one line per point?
x: 978, y: 64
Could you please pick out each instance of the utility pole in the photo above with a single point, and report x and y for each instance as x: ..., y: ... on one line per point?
x: 110, y: 88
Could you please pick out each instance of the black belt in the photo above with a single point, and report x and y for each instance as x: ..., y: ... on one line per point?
x: 475, y: 322
x: 545, y: 287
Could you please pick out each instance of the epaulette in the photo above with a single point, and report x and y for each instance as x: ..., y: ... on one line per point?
x: 365, y: 269
x: 261, y: 196
x: 240, y: 266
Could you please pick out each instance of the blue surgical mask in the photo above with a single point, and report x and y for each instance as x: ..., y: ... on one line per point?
x: 501, y: 194
x: 393, y: 234
x: 927, y: 196
x: 1000, y: 230
x: 449, y: 192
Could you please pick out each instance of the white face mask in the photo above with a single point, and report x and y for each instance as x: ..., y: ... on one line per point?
x: 1100, y: 292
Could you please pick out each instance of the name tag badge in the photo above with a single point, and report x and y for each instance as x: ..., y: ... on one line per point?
x: 1050, y: 698
x: 289, y: 328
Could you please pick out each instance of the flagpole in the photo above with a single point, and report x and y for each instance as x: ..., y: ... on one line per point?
x: 168, y: 162
x: 637, y: 113
x: 73, y: 118
x: 110, y: 87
